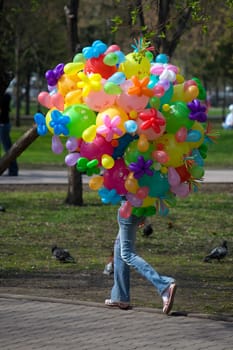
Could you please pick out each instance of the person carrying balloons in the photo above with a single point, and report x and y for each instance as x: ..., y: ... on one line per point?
x: 138, y: 129
x: 125, y: 257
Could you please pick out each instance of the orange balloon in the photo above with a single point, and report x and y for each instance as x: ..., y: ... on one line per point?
x: 96, y: 182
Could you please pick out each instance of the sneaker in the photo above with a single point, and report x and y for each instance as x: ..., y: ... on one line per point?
x: 168, y: 298
x: 120, y: 304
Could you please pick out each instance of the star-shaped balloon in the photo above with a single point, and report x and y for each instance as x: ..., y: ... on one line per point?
x: 141, y: 167
x: 59, y: 123
x: 198, y: 111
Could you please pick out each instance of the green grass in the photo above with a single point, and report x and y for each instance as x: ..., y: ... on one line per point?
x: 34, y: 220
x: 39, y: 153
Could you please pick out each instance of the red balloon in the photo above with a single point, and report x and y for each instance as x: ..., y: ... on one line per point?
x: 96, y: 65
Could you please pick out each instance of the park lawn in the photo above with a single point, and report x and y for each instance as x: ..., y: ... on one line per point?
x: 40, y: 154
x: 35, y: 220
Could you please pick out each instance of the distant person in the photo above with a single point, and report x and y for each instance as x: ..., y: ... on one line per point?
x: 228, y: 123
x: 5, y: 127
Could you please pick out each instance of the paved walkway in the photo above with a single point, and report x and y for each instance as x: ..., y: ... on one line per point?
x: 61, y: 177
x: 28, y: 323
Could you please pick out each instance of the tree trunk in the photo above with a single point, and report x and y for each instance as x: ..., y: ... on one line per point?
x: 74, y: 195
x: 75, y: 190
x: 17, y: 148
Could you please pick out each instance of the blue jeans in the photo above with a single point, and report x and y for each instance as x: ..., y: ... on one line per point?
x: 125, y: 257
x: 5, y: 140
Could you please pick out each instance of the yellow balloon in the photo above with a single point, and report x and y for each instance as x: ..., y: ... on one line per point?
x: 131, y: 184
x: 73, y: 68
x: 48, y: 119
x: 135, y: 64
x: 176, y: 151
x: 107, y: 161
x: 89, y: 134
x: 112, y: 112
x: 67, y: 83
x: 73, y: 97
x: 191, y: 93
x: 96, y: 182
x: 148, y: 201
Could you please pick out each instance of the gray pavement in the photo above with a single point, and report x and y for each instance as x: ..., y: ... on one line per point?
x: 35, y: 323
x: 61, y: 177
x: 28, y: 323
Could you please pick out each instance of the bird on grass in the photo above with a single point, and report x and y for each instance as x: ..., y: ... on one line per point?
x: 147, y: 230
x: 218, y: 253
x: 62, y: 255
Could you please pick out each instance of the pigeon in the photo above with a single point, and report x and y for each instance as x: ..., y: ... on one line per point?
x: 217, y: 253
x: 147, y: 230
x: 109, y: 267
x: 62, y: 255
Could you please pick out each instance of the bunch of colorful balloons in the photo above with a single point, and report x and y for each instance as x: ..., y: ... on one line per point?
x: 131, y: 122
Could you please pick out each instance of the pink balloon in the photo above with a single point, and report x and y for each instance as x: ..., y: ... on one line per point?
x: 96, y: 148
x: 57, y: 146
x: 173, y: 177
x: 131, y: 102
x: 142, y: 192
x: 58, y: 101
x: 112, y: 48
x: 161, y: 156
x: 125, y: 210
x: 115, y: 177
x: 99, y: 100
x: 157, y: 69
x: 44, y: 99
x: 182, y: 190
x: 159, y: 90
x: 71, y: 158
x: 181, y: 134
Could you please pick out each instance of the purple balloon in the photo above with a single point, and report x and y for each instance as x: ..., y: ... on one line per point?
x: 72, y: 144
x: 57, y: 146
x: 71, y: 158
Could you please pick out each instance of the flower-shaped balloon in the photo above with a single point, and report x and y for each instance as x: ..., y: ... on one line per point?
x: 97, y: 48
x: 110, y: 127
x: 151, y: 119
x: 89, y: 83
x: 59, y: 123
x: 109, y: 196
x: 90, y: 167
x: 41, y: 124
x: 140, y: 87
x: 141, y: 167
x: 198, y: 111
x: 53, y: 75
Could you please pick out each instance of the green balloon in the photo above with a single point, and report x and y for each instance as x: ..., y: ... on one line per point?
x: 177, y: 117
x: 81, y: 118
x: 132, y: 153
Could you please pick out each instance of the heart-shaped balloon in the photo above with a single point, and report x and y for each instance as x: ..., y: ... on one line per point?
x: 44, y: 99
x: 58, y: 101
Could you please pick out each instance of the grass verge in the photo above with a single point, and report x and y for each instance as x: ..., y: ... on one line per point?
x: 37, y: 217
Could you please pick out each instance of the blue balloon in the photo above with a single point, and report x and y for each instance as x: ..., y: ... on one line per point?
x: 193, y: 136
x: 161, y: 58
x: 131, y: 126
x: 117, y: 78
